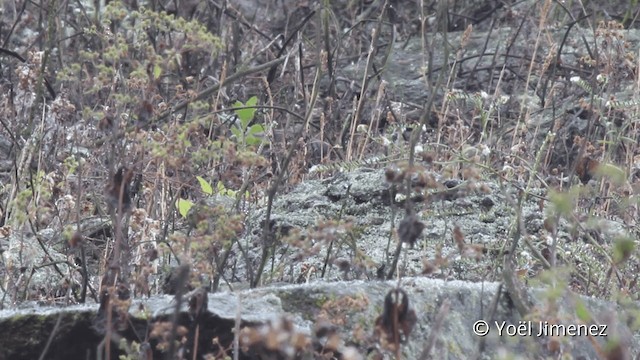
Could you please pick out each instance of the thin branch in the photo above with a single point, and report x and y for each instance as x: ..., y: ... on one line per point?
x: 210, y: 90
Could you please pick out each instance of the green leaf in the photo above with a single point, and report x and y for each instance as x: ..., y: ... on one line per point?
x: 253, y: 101
x: 222, y: 190
x: 246, y: 115
x: 582, y: 312
x: 157, y: 71
x: 237, y: 132
x: 205, y: 186
x: 184, y: 206
x: 616, y: 174
x: 252, y: 140
x: 623, y: 249
x: 563, y: 202
x: 255, y: 129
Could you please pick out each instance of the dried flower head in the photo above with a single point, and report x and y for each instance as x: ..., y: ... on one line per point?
x: 394, y: 174
x: 410, y: 229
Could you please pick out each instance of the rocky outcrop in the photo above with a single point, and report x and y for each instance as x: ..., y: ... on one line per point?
x: 294, y: 321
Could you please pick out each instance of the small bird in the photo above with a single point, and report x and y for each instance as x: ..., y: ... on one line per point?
x: 486, y: 204
x: 144, y: 114
x: 586, y: 169
x: 397, y: 320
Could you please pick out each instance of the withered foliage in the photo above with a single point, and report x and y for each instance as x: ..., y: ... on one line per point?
x: 410, y: 229
x: 277, y: 339
x: 117, y: 190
